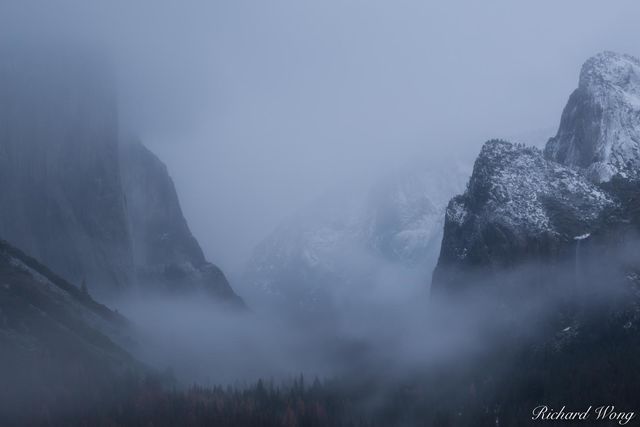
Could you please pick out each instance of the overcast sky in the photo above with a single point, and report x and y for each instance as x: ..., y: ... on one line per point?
x: 259, y: 106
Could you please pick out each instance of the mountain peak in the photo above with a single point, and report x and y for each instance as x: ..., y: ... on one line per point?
x: 613, y: 70
x: 600, y: 126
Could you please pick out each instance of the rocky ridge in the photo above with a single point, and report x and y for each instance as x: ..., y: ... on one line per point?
x: 523, y: 205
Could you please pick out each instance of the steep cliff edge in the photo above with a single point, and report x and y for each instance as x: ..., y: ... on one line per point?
x: 600, y: 125
x: 165, y: 253
x: 76, y: 196
x: 60, y: 184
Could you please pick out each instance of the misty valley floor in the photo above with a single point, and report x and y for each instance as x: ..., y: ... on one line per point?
x: 520, y: 361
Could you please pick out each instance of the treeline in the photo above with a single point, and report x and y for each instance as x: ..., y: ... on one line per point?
x: 598, y: 367
x: 291, y: 404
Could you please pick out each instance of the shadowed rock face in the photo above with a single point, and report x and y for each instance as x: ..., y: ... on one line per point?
x: 75, y: 196
x: 600, y: 126
x: 61, y: 195
x: 164, y: 250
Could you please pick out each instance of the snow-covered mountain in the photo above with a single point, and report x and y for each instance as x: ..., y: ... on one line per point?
x: 359, y: 242
x: 525, y: 206
x: 518, y: 205
x: 600, y: 126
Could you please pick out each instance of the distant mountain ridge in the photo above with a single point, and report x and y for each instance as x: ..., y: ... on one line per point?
x: 354, y: 242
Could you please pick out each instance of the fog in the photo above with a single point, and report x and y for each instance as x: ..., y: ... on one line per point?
x: 258, y: 107
x: 373, y: 335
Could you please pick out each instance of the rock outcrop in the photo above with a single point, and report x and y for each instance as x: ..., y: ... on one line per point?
x: 600, y: 126
x: 518, y: 206
x: 522, y: 206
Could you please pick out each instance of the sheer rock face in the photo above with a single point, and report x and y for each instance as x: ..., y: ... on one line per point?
x: 518, y: 206
x: 164, y: 250
x: 600, y: 126
x: 89, y: 206
x: 61, y: 196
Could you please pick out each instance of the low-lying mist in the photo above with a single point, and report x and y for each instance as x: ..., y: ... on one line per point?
x: 389, y: 338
